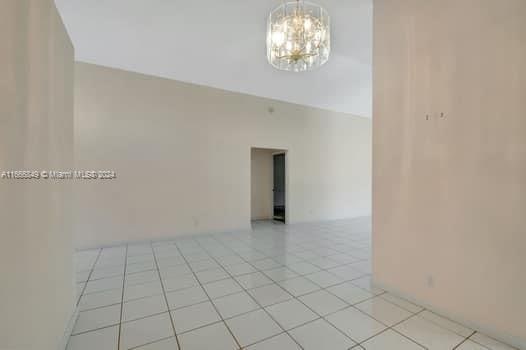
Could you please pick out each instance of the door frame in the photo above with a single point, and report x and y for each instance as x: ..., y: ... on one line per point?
x: 284, y: 152
x: 276, y: 150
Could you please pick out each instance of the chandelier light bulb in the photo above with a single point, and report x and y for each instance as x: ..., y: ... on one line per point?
x: 298, y: 36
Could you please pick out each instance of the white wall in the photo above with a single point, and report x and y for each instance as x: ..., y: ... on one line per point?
x: 262, y: 182
x: 37, y: 288
x: 449, y: 194
x: 182, y: 157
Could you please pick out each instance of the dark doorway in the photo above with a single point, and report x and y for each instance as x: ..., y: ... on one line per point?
x: 279, y: 187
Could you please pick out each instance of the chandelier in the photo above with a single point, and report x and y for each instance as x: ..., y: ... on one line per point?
x: 298, y: 36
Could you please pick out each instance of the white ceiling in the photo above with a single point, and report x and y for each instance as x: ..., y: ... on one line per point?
x: 221, y: 43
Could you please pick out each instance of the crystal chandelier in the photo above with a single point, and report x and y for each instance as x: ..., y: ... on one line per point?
x: 298, y: 36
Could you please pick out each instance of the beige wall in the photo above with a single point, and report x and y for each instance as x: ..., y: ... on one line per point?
x: 182, y: 157
x: 36, y: 133
x: 262, y: 182
x: 449, y: 194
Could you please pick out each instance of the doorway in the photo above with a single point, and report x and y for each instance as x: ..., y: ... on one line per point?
x: 268, y: 186
x: 279, y: 207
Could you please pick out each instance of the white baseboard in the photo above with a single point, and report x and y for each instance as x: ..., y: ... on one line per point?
x: 484, y: 329
x: 164, y: 238
x: 69, y: 329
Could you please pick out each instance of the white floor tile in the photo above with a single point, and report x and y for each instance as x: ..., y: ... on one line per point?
x: 97, y: 318
x: 229, y: 260
x: 325, y: 263
x: 287, y: 259
x: 204, y: 265
x: 280, y: 274
x: 469, y: 345
x: 392, y: 341
x: 404, y: 304
x: 322, y: 302
x: 446, y: 323
x: 142, y: 277
x: 142, y: 290
x: 350, y: 293
x: 356, y: 324
x: 140, y: 259
x: 490, y: 342
x: 239, y: 269
x: 141, y: 266
x: 299, y: 286
x: 252, y: 256
x: 270, y: 294
x: 383, y: 311
x: 211, y: 275
x: 165, y: 344
x: 102, y: 339
x: 265, y: 264
x: 303, y: 268
x: 366, y: 283
x: 283, y: 267
x: 100, y: 299
x: 104, y: 284
x: 324, y: 279
x: 221, y: 288
x: 346, y: 272
x: 253, y: 327
x: 319, y: 335
x: 145, y: 330
x: 235, y: 304
x: 429, y: 334
x: 253, y: 280
x: 307, y: 255
x: 279, y: 342
x: 216, y: 337
x: 174, y: 271
x: 191, y: 317
x: 107, y: 272
x: 180, y: 282
x: 291, y: 313
x: 186, y: 297
x: 139, y: 308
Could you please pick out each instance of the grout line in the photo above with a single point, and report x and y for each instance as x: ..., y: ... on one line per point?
x: 266, y: 255
x: 391, y: 328
x: 81, y: 294
x: 483, y: 345
x: 152, y: 342
x: 208, y: 296
x: 96, y: 329
x: 122, y: 299
x: 322, y: 288
x: 465, y: 340
x: 254, y: 299
x: 165, y: 297
x: 297, y: 298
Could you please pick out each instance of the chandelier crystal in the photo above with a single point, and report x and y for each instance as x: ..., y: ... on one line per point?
x: 298, y: 36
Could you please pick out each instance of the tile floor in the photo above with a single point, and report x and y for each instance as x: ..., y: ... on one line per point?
x: 276, y: 287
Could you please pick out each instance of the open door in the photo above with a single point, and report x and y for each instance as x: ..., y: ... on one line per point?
x: 279, y: 187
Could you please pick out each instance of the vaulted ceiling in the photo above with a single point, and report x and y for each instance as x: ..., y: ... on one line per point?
x: 222, y: 44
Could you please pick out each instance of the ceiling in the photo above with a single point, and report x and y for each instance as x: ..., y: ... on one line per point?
x: 222, y: 44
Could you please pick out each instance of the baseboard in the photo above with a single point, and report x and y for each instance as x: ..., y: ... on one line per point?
x: 243, y: 228
x: 261, y: 218
x: 69, y: 329
x: 166, y: 238
x: 502, y: 337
